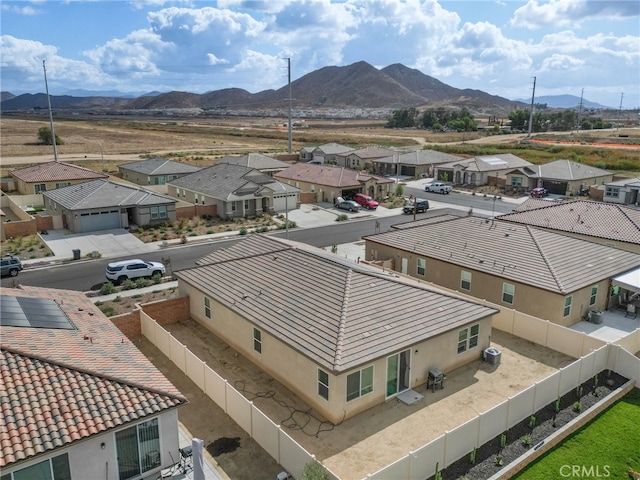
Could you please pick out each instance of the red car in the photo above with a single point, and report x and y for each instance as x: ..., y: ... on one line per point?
x: 366, y: 201
x: 539, y: 193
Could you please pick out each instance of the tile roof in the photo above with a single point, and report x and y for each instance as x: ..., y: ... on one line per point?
x: 425, y: 221
x: 568, y: 171
x: 55, y: 171
x: 159, y: 166
x: 329, y: 175
x: 104, y: 193
x: 254, y: 160
x: 625, y: 182
x: 595, y: 219
x: 519, y: 253
x: 489, y: 163
x: 370, y: 152
x: 61, y: 386
x: 350, y: 313
x: 332, y: 148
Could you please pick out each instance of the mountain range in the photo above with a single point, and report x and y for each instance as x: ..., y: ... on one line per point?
x: 356, y: 86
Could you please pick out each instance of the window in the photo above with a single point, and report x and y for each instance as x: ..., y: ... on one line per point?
x: 63, y: 184
x: 246, y: 204
x: 468, y: 338
x: 594, y: 296
x: 56, y: 468
x: 159, y: 212
x: 257, y: 340
x: 233, y: 206
x: 612, y: 192
x: 207, y: 307
x: 516, y: 181
x: 40, y: 187
x: 313, y: 188
x: 567, y: 306
x: 323, y: 384
x: 159, y: 180
x: 138, y: 449
x: 508, y: 292
x: 360, y: 383
x: 465, y: 280
x: 422, y: 266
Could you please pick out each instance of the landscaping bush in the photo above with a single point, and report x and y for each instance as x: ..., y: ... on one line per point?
x: 157, y: 279
x: 128, y: 284
x: 107, y: 288
x: 108, y: 311
x: 142, y: 282
x: 342, y: 218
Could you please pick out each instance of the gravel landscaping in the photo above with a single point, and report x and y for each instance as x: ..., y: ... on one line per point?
x: 502, y: 450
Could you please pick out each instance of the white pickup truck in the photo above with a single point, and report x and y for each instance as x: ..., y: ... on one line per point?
x: 438, y: 187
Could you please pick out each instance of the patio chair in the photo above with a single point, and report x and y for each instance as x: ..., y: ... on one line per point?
x: 631, y: 311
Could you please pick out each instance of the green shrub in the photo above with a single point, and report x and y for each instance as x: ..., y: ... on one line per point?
x: 342, y: 218
x: 108, y: 311
x: 98, y: 303
x: 107, y: 288
x: 142, y: 282
x: 118, y: 299
x: 242, y: 231
x: 128, y: 284
x: 157, y: 279
x: 526, y: 441
x: 314, y: 471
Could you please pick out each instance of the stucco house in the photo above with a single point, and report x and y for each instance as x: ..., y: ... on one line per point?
x: 561, y: 177
x: 155, y: 171
x: 625, y: 191
x: 608, y: 224
x: 79, y: 400
x: 236, y: 191
x: 415, y: 163
x: 51, y: 175
x: 103, y: 204
x: 363, y: 158
x: 263, y: 163
x: 481, y: 170
x: 324, y: 183
x: 534, y: 271
x: 347, y: 347
x: 325, y: 153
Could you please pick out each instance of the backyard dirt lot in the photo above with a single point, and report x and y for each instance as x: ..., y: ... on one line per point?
x: 360, y: 445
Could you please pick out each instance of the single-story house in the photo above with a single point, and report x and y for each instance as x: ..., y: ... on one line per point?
x: 324, y: 183
x: 534, y: 271
x: 415, y: 163
x: 363, y: 158
x: 625, y: 191
x: 263, y: 163
x: 237, y: 191
x: 560, y: 177
x: 51, y: 175
x: 79, y: 399
x: 103, y: 204
x: 359, y: 338
x: 605, y: 223
x: 481, y: 170
x: 324, y: 153
x: 155, y: 171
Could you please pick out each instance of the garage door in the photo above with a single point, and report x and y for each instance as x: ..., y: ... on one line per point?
x: 102, y: 220
x: 558, y: 188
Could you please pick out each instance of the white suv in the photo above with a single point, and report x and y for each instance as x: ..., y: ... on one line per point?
x: 119, y: 271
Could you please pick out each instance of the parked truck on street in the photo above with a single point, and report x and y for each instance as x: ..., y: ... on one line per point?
x: 438, y: 187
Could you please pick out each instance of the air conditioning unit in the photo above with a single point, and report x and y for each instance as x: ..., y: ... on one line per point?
x: 595, y: 316
x: 492, y: 356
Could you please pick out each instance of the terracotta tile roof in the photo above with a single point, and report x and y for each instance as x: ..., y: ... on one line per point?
x: 328, y: 175
x: 595, y: 219
x: 65, y: 385
x: 350, y: 313
x: 520, y: 253
x: 55, y: 171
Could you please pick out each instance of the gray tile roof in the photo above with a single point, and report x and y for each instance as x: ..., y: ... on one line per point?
x: 519, y: 253
x: 159, y: 166
x: 55, y: 171
x: 338, y: 315
x: 420, y: 157
x: 254, y: 160
x: 596, y: 219
x: 489, y: 163
x: 104, y: 193
x: 230, y: 182
x: 370, y: 152
x: 625, y: 182
x: 332, y: 149
x: 425, y: 221
x: 329, y: 175
x: 568, y: 170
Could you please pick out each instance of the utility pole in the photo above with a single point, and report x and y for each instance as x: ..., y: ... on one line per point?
x: 620, y: 112
x: 533, y: 95
x: 579, y: 111
x: 53, y: 133
x: 289, y: 123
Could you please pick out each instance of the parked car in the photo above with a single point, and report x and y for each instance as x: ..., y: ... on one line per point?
x: 348, y: 205
x: 11, y: 265
x: 366, y: 201
x: 418, y: 206
x: 438, y: 187
x: 539, y: 192
x: 131, y: 269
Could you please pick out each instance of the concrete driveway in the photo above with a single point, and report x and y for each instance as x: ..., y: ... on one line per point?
x: 110, y: 243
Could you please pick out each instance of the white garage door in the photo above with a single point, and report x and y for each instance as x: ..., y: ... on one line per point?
x: 103, y: 220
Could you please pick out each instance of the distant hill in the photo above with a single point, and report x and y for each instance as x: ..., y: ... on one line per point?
x: 356, y: 86
x: 565, y: 101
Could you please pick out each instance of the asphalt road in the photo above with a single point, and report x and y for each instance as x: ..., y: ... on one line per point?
x: 89, y: 274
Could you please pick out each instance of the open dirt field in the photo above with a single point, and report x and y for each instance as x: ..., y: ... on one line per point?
x: 360, y: 445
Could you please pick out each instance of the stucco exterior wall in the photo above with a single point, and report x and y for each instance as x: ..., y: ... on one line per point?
x: 25, y: 188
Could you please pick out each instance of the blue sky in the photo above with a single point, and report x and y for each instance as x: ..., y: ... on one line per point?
x: 199, y: 46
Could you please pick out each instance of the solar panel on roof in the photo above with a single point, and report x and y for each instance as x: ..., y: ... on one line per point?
x: 32, y: 312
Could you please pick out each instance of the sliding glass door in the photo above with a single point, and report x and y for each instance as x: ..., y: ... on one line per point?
x: 398, y: 373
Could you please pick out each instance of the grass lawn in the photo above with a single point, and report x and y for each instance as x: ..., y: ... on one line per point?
x: 609, y: 447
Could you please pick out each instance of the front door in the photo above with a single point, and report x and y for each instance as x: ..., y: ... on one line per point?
x: 405, y: 266
x: 398, y: 373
